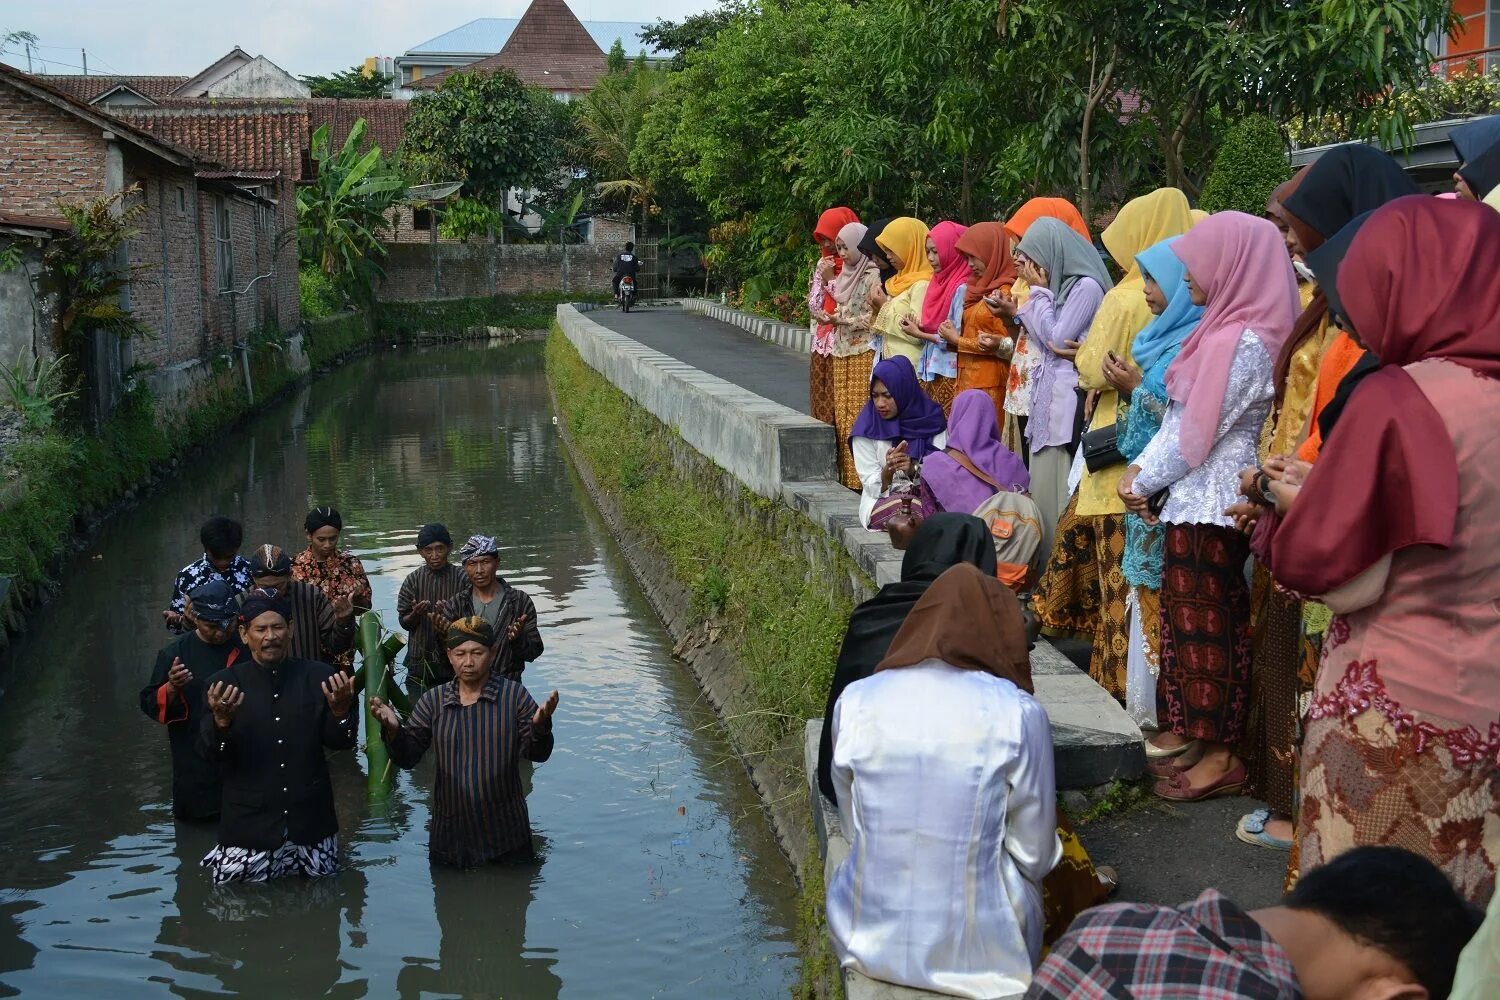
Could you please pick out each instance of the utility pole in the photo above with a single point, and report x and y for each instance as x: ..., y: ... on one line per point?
x: 85, y: 53
x: 28, y: 57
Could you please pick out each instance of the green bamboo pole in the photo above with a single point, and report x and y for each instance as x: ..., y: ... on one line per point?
x: 374, y: 673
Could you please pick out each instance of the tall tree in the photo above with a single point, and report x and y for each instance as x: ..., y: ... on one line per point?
x: 340, y: 212
x: 351, y: 82
x: 609, y: 123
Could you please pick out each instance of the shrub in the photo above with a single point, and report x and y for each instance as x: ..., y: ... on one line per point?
x: 319, y: 297
x: 1250, y: 164
x: 1470, y: 91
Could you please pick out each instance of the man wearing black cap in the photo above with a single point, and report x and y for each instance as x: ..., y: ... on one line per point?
x: 422, y: 592
x: 318, y: 630
x: 175, y: 694
x: 270, y: 717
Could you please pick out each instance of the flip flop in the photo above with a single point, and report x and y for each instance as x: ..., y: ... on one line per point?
x: 1252, y: 830
x: 1175, y: 787
x: 1157, y: 753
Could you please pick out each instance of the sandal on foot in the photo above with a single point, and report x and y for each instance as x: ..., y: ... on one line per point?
x: 1175, y: 787
x: 1171, y: 765
x: 1159, y: 753
x: 1252, y: 830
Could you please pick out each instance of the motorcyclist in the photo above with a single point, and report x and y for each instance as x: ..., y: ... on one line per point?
x: 625, y: 263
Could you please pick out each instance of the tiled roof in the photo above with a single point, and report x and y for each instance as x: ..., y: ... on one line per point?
x: 549, y: 48
x: 155, y: 144
x: 486, y: 36
x: 239, y: 175
x: 239, y: 137
x: 385, y: 120
x: 50, y: 223
x: 86, y: 88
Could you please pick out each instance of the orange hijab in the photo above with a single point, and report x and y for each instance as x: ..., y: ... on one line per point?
x: 1060, y: 209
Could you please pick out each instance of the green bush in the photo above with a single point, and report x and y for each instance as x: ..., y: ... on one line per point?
x: 1250, y: 164
x: 333, y: 337
x: 319, y: 297
x: 451, y: 317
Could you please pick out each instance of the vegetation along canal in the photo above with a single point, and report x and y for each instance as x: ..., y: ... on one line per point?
x: 657, y: 875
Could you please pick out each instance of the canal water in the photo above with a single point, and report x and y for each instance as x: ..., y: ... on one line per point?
x: 657, y: 875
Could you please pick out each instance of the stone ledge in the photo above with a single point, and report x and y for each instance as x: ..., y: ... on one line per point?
x: 796, y: 338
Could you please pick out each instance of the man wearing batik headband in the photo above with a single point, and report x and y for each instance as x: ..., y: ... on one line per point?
x: 319, y: 631
x: 174, y: 696
x: 271, y: 716
x: 509, y: 612
x: 483, y: 725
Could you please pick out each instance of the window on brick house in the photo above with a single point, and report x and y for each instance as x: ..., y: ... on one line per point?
x: 181, y: 200
x: 421, y: 218
x: 223, y: 245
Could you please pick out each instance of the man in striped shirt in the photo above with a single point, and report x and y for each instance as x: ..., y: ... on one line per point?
x: 422, y: 592
x: 320, y: 629
x: 483, y: 725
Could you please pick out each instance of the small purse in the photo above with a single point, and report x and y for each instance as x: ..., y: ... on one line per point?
x: 913, y: 506
x: 1101, y: 448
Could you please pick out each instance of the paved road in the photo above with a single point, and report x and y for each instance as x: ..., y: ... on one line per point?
x: 717, y: 348
x: 1165, y: 853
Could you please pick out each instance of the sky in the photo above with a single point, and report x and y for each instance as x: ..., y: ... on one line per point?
x: 181, y: 37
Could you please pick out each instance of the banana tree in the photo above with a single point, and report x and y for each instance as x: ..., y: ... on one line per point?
x: 339, y: 213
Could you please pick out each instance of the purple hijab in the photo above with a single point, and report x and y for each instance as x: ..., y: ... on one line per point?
x: 918, y: 418
x: 975, y: 431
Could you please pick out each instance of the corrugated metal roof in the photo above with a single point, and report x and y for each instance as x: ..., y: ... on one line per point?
x: 486, y: 36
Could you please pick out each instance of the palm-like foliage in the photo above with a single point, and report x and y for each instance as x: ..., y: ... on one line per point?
x: 339, y: 212
x: 609, y: 121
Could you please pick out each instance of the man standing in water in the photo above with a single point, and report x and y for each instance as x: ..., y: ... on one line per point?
x: 510, y: 613
x: 320, y: 629
x: 271, y: 716
x: 221, y: 560
x: 175, y: 694
x: 422, y: 592
x: 483, y: 726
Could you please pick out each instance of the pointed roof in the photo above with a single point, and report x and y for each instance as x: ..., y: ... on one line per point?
x: 548, y: 48
x: 93, y: 86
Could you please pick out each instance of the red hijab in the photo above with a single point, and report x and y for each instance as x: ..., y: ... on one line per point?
x: 986, y: 242
x: 951, y: 272
x: 1418, y: 282
x: 829, y: 224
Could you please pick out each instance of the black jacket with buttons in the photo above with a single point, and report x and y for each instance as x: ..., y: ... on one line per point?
x: 271, y: 758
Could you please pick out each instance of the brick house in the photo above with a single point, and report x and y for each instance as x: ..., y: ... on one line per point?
x: 201, y: 238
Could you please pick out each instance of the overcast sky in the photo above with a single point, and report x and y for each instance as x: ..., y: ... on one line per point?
x: 180, y: 37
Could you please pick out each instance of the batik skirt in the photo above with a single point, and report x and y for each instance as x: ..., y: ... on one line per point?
x: 851, y: 391
x: 820, y: 387
x: 1067, y: 598
x: 1280, y: 680
x: 941, y: 389
x: 1109, y: 661
x: 1203, y: 692
x: 244, y: 864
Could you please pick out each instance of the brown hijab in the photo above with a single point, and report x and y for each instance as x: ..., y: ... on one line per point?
x: 1312, y: 317
x: 969, y: 620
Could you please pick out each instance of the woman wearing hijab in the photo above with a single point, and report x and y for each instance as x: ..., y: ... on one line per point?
x: 1472, y: 140
x: 1479, y: 179
x: 820, y: 306
x: 942, y: 309
x: 986, y: 338
x: 974, y: 465
x: 1100, y: 515
x: 1220, y: 391
x: 904, y: 244
x: 1344, y: 182
x: 945, y: 733
x: 1067, y: 282
x: 1164, y: 281
x: 1397, y: 524
x: 853, y: 349
x: 898, y: 428
x: 1025, y: 357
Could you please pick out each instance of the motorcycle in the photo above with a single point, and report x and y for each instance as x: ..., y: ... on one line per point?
x: 627, y: 292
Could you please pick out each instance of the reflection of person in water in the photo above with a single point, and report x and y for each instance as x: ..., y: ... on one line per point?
x: 484, y: 955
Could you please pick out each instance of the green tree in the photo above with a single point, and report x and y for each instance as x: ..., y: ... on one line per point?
x: 1250, y: 164
x: 609, y: 126
x: 695, y: 31
x: 351, y: 82
x: 339, y: 213
x: 615, y: 61
x: 486, y: 130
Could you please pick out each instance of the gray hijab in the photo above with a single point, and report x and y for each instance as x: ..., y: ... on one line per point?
x: 1049, y: 243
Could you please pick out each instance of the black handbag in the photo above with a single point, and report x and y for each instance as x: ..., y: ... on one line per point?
x: 1101, y: 448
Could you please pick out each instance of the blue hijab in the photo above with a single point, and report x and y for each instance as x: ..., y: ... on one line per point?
x: 1159, y: 341
x: 918, y: 419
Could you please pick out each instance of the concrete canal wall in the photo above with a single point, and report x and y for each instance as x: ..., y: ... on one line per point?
x: 649, y: 432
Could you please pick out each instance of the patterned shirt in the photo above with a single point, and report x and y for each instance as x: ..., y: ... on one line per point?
x: 197, y: 574
x: 479, y: 806
x: 424, y: 651
x: 1208, y: 949
x: 340, y: 575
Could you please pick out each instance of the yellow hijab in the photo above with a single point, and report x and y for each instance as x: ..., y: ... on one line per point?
x: 1143, y: 223
x: 906, y: 238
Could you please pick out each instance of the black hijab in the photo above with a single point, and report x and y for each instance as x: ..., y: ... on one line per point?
x: 943, y: 541
x: 1474, y: 137
x: 1483, y: 172
x: 871, y: 249
x: 1346, y: 181
x: 1324, y: 263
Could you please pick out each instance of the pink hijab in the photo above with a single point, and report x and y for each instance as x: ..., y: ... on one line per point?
x: 952, y: 272
x: 1241, y: 262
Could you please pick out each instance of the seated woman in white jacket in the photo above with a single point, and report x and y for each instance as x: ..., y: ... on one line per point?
x: 942, y: 761
x: 898, y: 427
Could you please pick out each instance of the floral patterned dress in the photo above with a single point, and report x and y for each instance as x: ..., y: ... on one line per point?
x: 340, y: 575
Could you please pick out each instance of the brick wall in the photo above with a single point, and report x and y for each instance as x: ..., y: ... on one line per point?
x: 232, y: 317
x: 164, y: 296
x: 415, y: 272
x: 45, y: 155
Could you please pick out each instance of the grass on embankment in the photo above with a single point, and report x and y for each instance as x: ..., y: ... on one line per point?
x: 782, y: 616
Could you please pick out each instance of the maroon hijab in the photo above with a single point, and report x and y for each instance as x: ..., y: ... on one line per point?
x: 1418, y: 282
